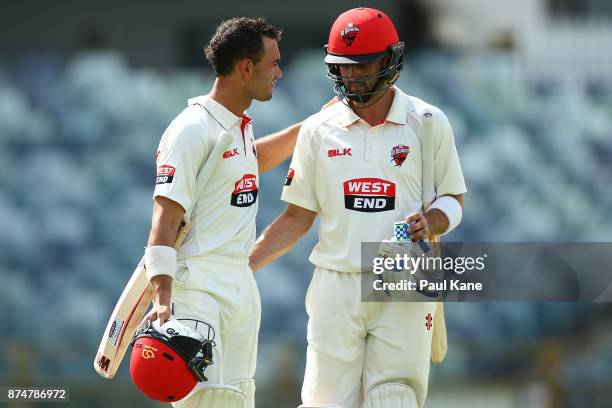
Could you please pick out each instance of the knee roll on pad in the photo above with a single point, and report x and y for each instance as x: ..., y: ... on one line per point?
x: 248, y: 389
x: 391, y: 395
x: 220, y: 396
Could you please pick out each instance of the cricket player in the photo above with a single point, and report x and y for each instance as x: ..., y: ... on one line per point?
x: 209, y: 279
x: 358, y: 165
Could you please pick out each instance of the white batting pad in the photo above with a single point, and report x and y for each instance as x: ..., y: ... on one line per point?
x: 391, y: 396
x: 215, y: 396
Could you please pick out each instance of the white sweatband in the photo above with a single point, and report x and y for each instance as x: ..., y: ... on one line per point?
x: 451, y: 208
x: 160, y: 260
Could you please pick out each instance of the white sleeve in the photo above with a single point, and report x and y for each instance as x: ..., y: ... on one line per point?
x: 448, y: 175
x: 181, y: 152
x: 300, y: 185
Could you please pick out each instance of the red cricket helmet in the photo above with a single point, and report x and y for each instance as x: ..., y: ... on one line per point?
x: 361, y: 36
x: 167, y: 362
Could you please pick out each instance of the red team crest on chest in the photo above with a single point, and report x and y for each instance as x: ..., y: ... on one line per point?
x: 245, y: 191
x: 369, y: 195
x: 399, y: 154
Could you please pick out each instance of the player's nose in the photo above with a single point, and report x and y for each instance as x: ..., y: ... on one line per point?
x: 346, y: 71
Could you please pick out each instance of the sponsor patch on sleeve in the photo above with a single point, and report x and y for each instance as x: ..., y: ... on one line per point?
x: 165, y: 174
x: 289, y: 178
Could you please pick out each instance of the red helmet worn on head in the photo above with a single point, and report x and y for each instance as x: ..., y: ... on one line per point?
x: 361, y: 36
x: 168, y: 361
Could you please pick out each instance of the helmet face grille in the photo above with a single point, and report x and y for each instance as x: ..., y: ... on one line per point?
x: 385, y: 78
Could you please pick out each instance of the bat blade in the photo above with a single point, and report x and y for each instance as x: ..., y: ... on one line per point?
x: 123, y: 322
x: 439, y: 342
x: 127, y: 316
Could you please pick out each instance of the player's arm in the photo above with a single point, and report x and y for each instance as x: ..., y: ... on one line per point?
x: 167, y: 218
x: 435, y: 221
x: 281, y: 235
x: 275, y: 148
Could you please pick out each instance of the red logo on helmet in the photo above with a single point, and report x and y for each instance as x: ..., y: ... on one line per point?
x: 399, y: 154
x: 148, y: 352
x: 349, y: 34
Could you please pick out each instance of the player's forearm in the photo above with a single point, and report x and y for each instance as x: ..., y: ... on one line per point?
x: 437, y: 221
x: 275, y: 148
x: 279, y: 238
x: 159, y: 258
x: 162, y: 289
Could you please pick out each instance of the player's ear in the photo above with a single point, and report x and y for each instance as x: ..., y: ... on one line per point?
x: 246, y: 68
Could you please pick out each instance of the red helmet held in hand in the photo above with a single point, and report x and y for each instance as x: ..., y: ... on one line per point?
x: 168, y: 361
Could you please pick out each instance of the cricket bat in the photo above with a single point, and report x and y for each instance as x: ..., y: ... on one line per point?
x: 127, y: 316
x: 137, y: 295
x: 439, y: 341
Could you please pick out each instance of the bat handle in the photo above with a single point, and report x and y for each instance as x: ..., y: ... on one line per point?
x: 182, y: 233
x: 424, y: 246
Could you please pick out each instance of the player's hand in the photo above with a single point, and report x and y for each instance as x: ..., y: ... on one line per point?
x: 162, y: 295
x: 330, y: 102
x: 419, y: 228
x: 161, y: 312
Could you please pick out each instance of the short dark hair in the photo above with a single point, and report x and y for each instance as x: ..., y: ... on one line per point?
x: 236, y: 39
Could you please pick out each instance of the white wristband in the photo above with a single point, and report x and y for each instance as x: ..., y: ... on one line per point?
x: 160, y: 260
x: 451, y: 208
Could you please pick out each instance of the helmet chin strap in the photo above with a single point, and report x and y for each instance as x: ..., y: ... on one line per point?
x: 367, y: 97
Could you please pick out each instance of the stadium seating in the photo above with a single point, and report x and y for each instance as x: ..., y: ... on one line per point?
x: 77, y: 150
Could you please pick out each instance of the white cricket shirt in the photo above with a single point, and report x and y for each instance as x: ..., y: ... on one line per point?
x: 362, y: 179
x: 223, y: 214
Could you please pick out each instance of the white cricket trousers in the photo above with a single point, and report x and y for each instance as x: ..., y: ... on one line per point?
x: 354, y: 346
x: 222, y: 292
